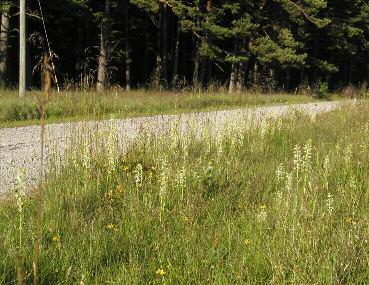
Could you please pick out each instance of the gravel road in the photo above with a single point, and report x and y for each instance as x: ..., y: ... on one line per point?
x: 20, y: 147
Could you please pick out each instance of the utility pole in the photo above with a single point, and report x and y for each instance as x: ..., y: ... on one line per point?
x: 22, y: 48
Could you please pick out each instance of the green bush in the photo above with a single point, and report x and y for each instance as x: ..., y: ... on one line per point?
x: 322, y: 90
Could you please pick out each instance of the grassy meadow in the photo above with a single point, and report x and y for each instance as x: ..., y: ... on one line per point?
x: 76, y: 106
x: 282, y: 202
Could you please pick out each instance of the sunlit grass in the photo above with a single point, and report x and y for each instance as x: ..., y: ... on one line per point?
x: 282, y: 202
x: 74, y: 106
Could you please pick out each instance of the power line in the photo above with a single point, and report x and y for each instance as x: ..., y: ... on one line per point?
x: 48, y: 45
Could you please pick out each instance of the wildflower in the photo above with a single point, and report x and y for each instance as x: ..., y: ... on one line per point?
x: 181, y: 178
x: 262, y: 215
x: 219, y: 145
x: 56, y: 239
x: 86, y: 159
x: 125, y: 167
x: 163, y: 180
x: 297, y: 158
x: 330, y: 203
x: 150, y: 176
x: 326, y: 165
x: 247, y: 242
x: 280, y: 172
x: 111, y: 227
x: 19, y: 190
x: 185, y: 148
x: 160, y: 272
x: 348, y: 154
x: 279, y: 124
x: 263, y: 128
x: 109, y: 194
x: 288, y: 186
x: 112, y: 139
x: 119, y: 190
x: 352, y: 182
x: 138, y: 175
x: 306, y: 163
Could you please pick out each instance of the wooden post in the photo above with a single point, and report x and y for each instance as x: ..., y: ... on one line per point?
x: 22, y: 48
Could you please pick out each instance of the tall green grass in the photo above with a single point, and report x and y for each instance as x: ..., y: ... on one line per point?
x: 286, y: 201
x: 91, y: 105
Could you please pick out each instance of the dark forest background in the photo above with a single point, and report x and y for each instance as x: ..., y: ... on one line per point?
x: 267, y: 44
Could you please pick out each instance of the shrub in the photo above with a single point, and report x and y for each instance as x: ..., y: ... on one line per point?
x: 351, y: 92
x: 322, y: 90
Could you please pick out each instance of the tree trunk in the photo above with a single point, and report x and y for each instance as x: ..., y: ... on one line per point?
x: 104, y: 48
x: 350, y: 72
x: 271, y: 76
x: 4, y: 43
x: 233, y: 78
x: 202, y: 73
x: 209, y: 73
x: 157, y: 76
x: 165, y: 45
x: 241, y: 76
x: 176, y: 56
x: 195, y: 78
x: 288, y: 79
x: 146, y: 73
x: 127, y: 51
x: 255, y: 75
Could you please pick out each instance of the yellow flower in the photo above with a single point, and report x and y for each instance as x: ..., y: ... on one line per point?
x: 109, y: 194
x: 263, y: 207
x: 119, y: 189
x: 247, y: 242
x: 126, y: 167
x: 56, y: 239
x: 150, y: 176
x: 160, y: 272
x: 111, y: 227
x: 348, y: 220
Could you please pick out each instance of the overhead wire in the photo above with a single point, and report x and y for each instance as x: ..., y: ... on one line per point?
x: 48, y: 46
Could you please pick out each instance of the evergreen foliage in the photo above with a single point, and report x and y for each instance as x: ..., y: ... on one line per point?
x: 281, y: 43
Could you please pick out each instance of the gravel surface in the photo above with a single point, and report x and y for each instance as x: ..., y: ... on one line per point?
x: 20, y: 147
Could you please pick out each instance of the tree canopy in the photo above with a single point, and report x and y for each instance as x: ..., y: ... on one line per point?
x: 268, y: 44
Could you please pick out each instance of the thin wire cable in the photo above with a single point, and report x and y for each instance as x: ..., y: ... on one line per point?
x: 48, y: 45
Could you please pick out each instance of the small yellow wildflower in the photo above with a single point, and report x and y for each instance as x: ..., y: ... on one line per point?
x: 150, y: 176
x: 247, y: 242
x: 126, y: 167
x: 56, y: 239
x: 111, y: 227
x: 119, y: 189
x: 160, y: 272
x: 263, y: 207
x: 348, y: 220
x: 109, y: 194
